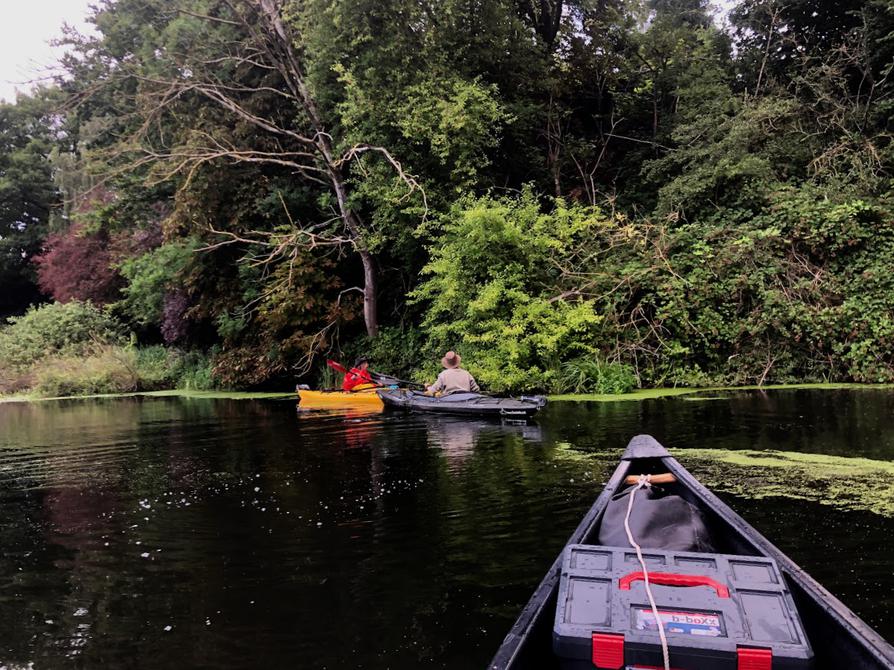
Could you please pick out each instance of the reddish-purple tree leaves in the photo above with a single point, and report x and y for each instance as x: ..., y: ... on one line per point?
x: 76, y: 265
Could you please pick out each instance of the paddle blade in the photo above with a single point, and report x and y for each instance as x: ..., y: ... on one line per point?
x: 335, y: 365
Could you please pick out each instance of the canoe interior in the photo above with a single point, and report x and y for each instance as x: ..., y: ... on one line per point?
x: 840, y: 639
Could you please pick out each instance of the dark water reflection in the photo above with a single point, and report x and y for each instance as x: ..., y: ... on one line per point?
x: 168, y: 532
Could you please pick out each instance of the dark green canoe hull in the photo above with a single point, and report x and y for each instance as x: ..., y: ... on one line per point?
x: 465, y: 404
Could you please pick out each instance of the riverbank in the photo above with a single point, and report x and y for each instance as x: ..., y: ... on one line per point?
x: 638, y: 395
x: 211, y: 395
x: 647, y: 394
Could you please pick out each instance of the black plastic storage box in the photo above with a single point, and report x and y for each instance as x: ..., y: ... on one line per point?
x: 720, y: 612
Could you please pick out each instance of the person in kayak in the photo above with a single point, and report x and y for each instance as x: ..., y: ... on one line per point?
x: 358, y: 377
x: 453, y: 379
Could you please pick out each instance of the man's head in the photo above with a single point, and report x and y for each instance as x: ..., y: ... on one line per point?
x: 451, y: 360
x: 362, y: 363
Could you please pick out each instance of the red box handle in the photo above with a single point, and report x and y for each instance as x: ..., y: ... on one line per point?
x: 671, y: 579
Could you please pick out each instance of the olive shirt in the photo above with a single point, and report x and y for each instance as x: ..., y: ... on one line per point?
x: 454, y: 380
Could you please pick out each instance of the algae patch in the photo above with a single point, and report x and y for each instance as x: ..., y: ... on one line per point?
x: 647, y: 394
x: 174, y: 393
x: 639, y: 394
x: 846, y: 483
x: 566, y: 451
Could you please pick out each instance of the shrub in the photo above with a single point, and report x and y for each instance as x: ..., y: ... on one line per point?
x: 161, y: 368
x: 394, y: 351
x: 149, y: 279
x: 156, y: 367
x: 494, y: 289
x: 77, y: 348
x: 119, y: 369
x: 68, y: 329
x: 107, y: 369
x: 589, y: 374
x: 195, y: 373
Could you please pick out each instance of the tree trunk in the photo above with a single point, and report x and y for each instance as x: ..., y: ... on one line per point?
x: 283, y: 55
x: 353, y: 224
x: 370, y: 306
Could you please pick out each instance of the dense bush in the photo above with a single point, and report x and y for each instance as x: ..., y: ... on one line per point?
x: 116, y: 369
x: 76, y: 348
x: 151, y: 277
x: 395, y: 351
x: 194, y: 372
x: 494, y: 289
x: 107, y: 369
x: 591, y: 375
x: 156, y: 366
x: 68, y: 329
x: 796, y: 292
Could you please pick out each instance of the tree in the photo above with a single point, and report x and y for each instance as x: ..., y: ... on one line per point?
x: 544, y: 16
x: 27, y: 197
x: 224, y: 82
x: 77, y: 265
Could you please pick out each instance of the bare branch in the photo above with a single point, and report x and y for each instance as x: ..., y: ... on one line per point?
x: 408, y: 179
x: 205, y: 17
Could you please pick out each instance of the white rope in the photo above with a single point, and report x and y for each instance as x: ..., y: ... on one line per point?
x: 644, y: 482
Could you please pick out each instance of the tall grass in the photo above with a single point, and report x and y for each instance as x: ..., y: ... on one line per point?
x: 107, y: 369
x: 589, y: 374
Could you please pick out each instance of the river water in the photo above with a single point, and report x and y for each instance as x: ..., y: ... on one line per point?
x: 172, y: 532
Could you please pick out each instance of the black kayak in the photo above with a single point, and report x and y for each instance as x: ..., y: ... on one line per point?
x: 470, y: 404
x: 839, y: 638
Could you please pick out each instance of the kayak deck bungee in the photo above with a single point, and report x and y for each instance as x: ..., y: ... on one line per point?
x: 839, y: 638
x: 335, y: 398
x: 470, y: 404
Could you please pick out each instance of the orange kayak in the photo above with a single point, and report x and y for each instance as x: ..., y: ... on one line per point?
x: 334, y: 399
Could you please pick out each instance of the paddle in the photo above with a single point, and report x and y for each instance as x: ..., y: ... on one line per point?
x: 664, y: 478
x: 335, y: 365
x: 338, y: 367
x: 413, y: 385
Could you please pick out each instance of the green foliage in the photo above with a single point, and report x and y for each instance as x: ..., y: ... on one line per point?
x: 794, y: 292
x: 194, y: 372
x: 286, y: 316
x: 68, y: 329
x: 75, y: 348
x: 327, y: 378
x: 27, y: 196
x: 150, y: 277
x: 589, y: 374
x: 156, y: 367
x: 119, y: 369
x: 106, y: 369
x: 454, y: 120
x: 398, y: 352
x: 746, y: 173
x: 493, y: 289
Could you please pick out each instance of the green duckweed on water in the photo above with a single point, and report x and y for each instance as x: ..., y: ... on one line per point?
x: 841, y: 482
x: 647, y: 394
x: 210, y: 395
x: 639, y: 394
x: 846, y: 483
